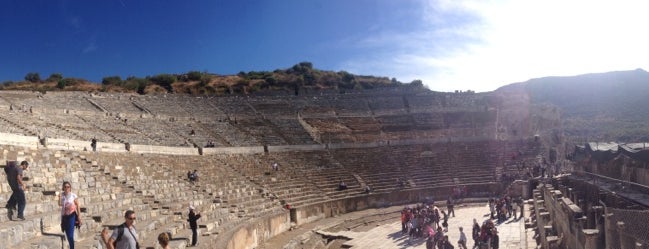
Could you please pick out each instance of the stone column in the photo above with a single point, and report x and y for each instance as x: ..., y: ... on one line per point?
x: 612, y: 236
x: 526, y: 190
x: 592, y: 239
x: 594, y: 220
x: 625, y: 241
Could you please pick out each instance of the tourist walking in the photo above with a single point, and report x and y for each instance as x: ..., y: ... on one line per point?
x: 15, y: 180
x: 70, y: 212
x: 475, y: 233
x: 461, y: 243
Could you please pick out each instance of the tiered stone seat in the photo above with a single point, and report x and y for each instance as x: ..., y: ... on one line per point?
x: 292, y: 130
x: 117, y: 104
x: 157, y: 131
x: 235, y: 188
x: 395, y: 123
x: 321, y: 169
x: 265, y: 131
x: 8, y: 125
x: 225, y: 132
x: 236, y: 107
x: 425, y: 102
x: 113, y: 130
x: 318, y: 106
x: 204, y: 108
x: 288, y: 184
x: 350, y: 106
x: 432, y: 120
x: 221, y: 195
x: 159, y: 105
x: 387, y: 105
x: 364, y: 162
x: 60, y: 125
x: 46, y: 173
x: 67, y: 101
x: 272, y: 107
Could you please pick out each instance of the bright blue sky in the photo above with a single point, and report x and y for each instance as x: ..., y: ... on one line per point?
x: 448, y: 44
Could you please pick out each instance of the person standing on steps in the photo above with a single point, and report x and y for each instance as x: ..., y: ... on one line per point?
x: 93, y: 144
x: 15, y: 179
x: 70, y: 212
x: 193, y: 217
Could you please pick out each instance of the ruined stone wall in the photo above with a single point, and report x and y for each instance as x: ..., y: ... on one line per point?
x: 19, y: 140
x: 621, y: 167
x: 560, y: 222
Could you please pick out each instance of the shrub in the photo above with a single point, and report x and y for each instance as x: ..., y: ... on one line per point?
x: 346, y: 77
x: 164, y: 80
x: 271, y: 80
x: 61, y: 84
x: 112, y: 80
x: 33, y: 77
x: 194, y: 75
x: 55, y: 77
x: 136, y: 84
x: 417, y: 83
x: 303, y: 67
x: 205, y: 79
x: 69, y: 82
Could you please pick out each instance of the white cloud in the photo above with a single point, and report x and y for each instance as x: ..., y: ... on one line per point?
x: 483, y: 45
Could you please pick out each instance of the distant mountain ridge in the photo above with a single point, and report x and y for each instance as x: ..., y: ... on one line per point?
x: 609, y: 106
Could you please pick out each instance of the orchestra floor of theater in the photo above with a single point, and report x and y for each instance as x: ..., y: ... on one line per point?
x: 381, y: 228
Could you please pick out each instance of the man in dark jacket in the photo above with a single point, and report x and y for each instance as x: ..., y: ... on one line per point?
x: 475, y: 233
x: 17, y: 198
x: 193, y: 217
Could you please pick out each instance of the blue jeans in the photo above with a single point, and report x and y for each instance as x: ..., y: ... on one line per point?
x: 68, y: 227
x: 18, y: 198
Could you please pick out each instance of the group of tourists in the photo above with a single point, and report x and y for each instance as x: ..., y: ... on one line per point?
x: 485, y: 236
x: 423, y: 221
x: 431, y: 223
x: 505, y: 207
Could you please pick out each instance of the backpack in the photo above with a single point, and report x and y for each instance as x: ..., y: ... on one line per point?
x: 120, y: 232
x: 10, y: 166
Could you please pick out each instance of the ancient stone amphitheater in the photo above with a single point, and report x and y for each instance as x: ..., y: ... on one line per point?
x: 407, y: 145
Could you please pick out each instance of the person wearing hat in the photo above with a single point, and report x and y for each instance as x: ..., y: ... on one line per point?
x: 193, y: 217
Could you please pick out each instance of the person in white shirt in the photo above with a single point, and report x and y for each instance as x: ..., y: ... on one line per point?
x: 70, y: 212
x: 462, y: 242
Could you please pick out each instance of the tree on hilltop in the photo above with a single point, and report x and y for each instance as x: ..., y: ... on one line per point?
x: 55, y: 77
x: 194, y: 75
x: 33, y: 77
x: 164, y: 80
x: 112, y: 80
